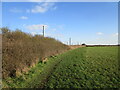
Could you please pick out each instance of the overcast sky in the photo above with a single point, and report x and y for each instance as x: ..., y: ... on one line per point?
x: 84, y: 22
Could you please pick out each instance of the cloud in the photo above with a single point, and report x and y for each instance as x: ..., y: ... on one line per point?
x: 115, y: 34
x: 38, y: 9
x: 99, y: 33
x: 35, y: 33
x: 23, y: 17
x: 36, y: 27
x: 15, y: 10
x: 43, y: 7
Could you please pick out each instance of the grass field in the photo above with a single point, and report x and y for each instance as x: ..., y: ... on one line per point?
x: 87, y: 67
x: 91, y: 67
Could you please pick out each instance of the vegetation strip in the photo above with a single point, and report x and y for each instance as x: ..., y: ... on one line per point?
x: 36, y: 77
x: 87, y: 67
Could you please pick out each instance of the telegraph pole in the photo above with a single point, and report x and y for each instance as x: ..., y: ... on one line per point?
x: 69, y: 41
x: 43, y: 30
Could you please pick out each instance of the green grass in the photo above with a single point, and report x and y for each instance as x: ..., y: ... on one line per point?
x: 36, y: 77
x: 88, y: 67
x: 91, y: 67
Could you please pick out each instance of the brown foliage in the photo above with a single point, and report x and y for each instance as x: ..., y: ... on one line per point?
x: 21, y: 50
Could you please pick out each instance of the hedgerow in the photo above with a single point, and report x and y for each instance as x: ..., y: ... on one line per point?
x: 22, y: 50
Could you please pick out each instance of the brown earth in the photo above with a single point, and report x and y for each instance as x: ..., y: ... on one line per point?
x: 76, y: 46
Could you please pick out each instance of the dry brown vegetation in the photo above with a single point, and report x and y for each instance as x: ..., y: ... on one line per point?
x: 76, y: 46
x: 21, y: 51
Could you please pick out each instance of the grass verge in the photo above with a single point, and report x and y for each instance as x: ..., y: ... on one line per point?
x: 36, y: 77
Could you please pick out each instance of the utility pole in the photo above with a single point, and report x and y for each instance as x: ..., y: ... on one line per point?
x: 69, y: 41
x: 43, y: 30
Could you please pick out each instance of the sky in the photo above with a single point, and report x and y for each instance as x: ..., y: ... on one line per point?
x: 83, y: 22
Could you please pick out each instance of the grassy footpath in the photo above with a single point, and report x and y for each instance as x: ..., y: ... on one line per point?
x: 88, y: 67
x: 36, y: 77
